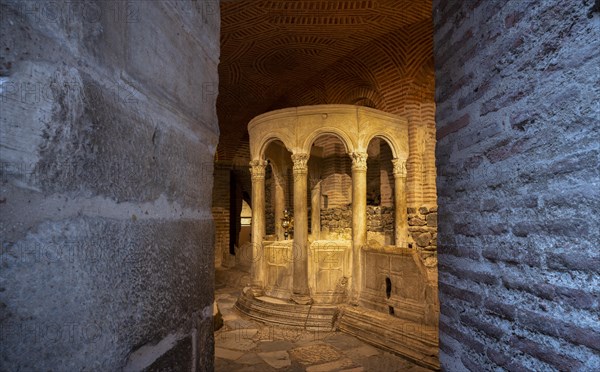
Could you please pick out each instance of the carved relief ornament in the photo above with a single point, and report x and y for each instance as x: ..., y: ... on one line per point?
x: 399, y: 167
x: 300, y: 160
x: 257, y: 169
x: 359, y: 160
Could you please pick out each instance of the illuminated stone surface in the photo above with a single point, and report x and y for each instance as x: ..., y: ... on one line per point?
x: 285, y: 348
x: 306, y: 281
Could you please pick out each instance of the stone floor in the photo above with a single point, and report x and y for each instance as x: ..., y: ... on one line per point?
x: 246, y: 345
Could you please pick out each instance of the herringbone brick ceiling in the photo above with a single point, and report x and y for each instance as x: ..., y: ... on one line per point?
x: 284, y: 53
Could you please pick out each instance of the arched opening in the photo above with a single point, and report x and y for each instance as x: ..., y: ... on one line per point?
x: 380, y: 193
x: 245, y: 223
x: 330, y: 189
x: 278, y: 188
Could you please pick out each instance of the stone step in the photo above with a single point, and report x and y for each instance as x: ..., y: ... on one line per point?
x: 309, y: 317
x: 414, y: 341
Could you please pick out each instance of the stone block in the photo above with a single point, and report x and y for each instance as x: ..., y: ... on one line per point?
x: 417, y: 222
x: 111, y: 220
x: 423, y: 239
x: 432, y: 219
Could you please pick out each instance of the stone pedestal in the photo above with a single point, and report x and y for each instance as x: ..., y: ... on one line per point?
x: 278, y: 268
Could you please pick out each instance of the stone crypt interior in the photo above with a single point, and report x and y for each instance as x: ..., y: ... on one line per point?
x: 339, y: 108
x: 357, y: 249
x: 319, y: 185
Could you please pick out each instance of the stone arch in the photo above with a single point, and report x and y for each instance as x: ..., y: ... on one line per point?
x: 396, y: 150
x: 336, y: 132
x: 264, y: 144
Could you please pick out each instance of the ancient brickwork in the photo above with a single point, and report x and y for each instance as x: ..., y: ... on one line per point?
x: 372, y: 53
x: 517, y: 158
x: 335, y: 172
x: 108, y: 135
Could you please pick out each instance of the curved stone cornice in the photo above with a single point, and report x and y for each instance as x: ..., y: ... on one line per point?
x: 355, y: 126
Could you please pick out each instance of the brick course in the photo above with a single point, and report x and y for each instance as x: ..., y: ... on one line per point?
x: 517, y: 161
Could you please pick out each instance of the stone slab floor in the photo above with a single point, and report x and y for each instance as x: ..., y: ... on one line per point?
x: 246, y: 345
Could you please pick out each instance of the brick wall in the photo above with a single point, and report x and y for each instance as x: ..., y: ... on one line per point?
x: 336, y: 172
x: 517, y: 158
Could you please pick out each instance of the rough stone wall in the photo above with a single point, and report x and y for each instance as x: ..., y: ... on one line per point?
x: 108, y: 132
x: 220, y: 212
x: 380, y: 219
x: 339, y: 220
x: 517, y: 157
x: 422, y: 226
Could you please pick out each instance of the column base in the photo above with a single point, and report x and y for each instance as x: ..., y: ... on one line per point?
x: 354, y: 300
x: 254, y: 290
x: 301, y: 299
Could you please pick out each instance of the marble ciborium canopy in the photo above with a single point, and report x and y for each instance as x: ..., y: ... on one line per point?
x: 297, y: 129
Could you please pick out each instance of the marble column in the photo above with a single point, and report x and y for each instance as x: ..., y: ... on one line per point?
x: 400, y: 218
x: 359, y: 218
x: 279, y: 204
x: 315, y: 210
x: 257, y: 170
x: 300, y: 292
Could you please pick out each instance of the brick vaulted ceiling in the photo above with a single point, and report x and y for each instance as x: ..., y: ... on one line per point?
x: 277, y: 54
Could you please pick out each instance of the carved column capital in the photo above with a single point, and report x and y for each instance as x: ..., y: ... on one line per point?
x: 257, y: 169
x: 399, y: 167
x: 359, y: 161
x: 300, y: 163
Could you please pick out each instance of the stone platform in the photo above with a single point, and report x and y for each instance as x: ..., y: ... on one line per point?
x: 244, y: 344
x: 414, y: 341
x: 280, y: 312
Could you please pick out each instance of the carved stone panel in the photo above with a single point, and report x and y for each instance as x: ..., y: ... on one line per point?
x: 394, y: 283
x: 278, y: 261
x: 328, y: 270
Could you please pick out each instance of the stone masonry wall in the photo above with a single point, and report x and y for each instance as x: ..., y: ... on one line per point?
x: 422, y: 227
x: 339, y: 220
x: 517, y: 158
x: 108, y: 133
x: 220, y: 212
